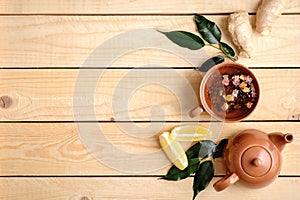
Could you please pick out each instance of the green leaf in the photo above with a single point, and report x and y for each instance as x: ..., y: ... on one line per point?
x: 220, y: 148
x: 208, y: 30
x: 203, y: 176
x: 228, y: 51
x: 201, y: 149
x: 185, y: 39
x: 210, y: 63
x: 175, y: 174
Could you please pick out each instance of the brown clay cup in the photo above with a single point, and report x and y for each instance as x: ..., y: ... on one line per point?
x: 206, y: 101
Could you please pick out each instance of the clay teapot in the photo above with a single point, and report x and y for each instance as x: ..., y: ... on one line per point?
x: 253, y: 157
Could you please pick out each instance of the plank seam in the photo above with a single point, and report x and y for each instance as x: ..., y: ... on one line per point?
x: 185, y: 121
x: 135, y: 68
x: 129, y: 14
x: 112, y: 176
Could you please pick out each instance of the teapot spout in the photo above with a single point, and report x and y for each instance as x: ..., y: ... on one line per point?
x: 280, y: 139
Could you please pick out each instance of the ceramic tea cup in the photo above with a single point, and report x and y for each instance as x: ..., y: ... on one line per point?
x: 228, y: 92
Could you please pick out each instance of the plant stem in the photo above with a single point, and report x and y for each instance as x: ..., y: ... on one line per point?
x: 205, y: 159
x: 213, y: 46
x: 231, y: 58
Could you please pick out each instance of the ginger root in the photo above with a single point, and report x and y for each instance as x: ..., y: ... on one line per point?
x: 240, y: 30
x: 267, y: 14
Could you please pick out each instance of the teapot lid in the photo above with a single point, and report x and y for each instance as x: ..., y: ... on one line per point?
x: 256, y: 161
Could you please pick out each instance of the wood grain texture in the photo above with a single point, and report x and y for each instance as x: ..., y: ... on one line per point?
x: 63, y: 34
x: 136, y: 188
x: 67, y: 41
x: 131, y: 95
x: 131, y: 7
x: 56, y: 149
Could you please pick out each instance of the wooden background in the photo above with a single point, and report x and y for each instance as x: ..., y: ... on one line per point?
x: 44, y: 43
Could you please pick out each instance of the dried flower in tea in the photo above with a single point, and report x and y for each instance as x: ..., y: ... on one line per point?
x: 232, y: 92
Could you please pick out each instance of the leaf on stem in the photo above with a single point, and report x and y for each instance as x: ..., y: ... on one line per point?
x: 220, y: 148
x: 175, y: 174
x: 203, y: 176
x: 228, y: 51
x: 210, y: 63
x: 185, y: 39
x: 201, y: 149
x: 208, y: 30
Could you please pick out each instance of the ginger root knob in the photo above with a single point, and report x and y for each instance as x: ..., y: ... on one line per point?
x: 267, y: 13
x: 240, y: 30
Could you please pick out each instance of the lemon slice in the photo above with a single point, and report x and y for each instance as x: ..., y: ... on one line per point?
x: 191, y: 133
x: 173, y: 150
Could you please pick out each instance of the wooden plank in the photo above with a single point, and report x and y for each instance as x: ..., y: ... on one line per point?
x: 136, y: 188
x: 130, y: 7
x: 67, y: 41
x: 56, y: 149
x: 127, y: 95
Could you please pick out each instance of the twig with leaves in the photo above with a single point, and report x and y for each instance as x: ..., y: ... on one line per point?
x: 209, y: 32
x: 200, y: 161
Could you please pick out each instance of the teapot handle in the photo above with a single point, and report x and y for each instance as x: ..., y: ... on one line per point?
x: 225, y: 182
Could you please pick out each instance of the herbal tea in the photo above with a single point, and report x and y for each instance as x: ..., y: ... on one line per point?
x: 231, y: 92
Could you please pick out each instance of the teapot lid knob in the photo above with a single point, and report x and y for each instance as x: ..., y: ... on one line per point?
x: 257, y: 162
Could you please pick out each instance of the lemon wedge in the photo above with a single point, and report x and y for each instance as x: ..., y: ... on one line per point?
x: 191, y: 133
x: 173, y: 150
